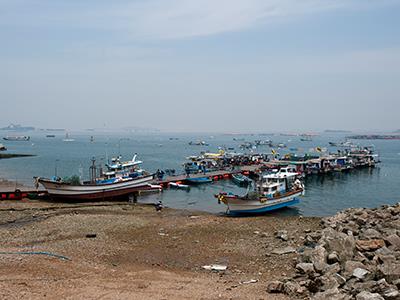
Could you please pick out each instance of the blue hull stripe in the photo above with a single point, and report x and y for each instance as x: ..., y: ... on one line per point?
x: 265, y: 209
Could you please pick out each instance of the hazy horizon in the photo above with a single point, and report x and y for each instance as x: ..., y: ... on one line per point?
x: 201, y: 66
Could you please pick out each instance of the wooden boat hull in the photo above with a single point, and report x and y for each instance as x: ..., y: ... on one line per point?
x: 241, y: 206
x: 63, y: 191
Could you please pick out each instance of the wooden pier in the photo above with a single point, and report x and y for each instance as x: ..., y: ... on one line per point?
x: 214, y: 175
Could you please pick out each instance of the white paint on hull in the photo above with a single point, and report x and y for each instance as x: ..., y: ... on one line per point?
x: 238, y: 204
x: 59, y: 189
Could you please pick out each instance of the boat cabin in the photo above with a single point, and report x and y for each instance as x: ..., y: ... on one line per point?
x: 273, y: 185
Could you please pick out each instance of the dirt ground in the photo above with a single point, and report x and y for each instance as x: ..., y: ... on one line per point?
x: 138, y: 253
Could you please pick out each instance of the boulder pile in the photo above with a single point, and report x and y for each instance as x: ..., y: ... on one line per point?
x: 355, y: 256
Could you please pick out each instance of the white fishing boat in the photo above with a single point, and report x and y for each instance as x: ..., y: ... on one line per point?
x: 178, y: 185
x: 67, y: 138
x: 272, y: 192
x: 121, y: 179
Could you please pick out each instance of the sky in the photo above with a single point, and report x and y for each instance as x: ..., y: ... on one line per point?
x: 201, y: 65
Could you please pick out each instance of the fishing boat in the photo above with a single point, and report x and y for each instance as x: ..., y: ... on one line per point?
x: 121, y: 180
x: 2, y: 147
x: 198, y: 180
x: 17, y: 138
x: 272, y: 192
x: 178, y: 185
x: 198, y: 143
x: 306, y: 139
x: 241, y: 179
x: 50, y: 135
x: 67, y: 138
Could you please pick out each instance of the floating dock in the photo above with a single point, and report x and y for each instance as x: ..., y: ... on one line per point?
x: 214, y: 175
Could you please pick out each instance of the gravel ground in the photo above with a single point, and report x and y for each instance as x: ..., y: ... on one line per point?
x: 138, y: 253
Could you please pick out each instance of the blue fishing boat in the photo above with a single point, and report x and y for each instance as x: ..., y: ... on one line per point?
x: 198, y: 180
x: 241, y: 180
x: 274, y: 191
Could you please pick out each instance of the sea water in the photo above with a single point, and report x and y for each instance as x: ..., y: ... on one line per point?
x: 325, y: 195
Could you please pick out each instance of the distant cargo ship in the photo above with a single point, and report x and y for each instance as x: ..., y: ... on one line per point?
x: 374, y: 137
x: 17, y: 138
x: 17, y: 127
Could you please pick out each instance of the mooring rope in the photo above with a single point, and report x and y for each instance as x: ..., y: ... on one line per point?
x: 36, y: 253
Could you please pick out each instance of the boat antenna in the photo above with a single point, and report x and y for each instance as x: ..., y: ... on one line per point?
x: 108, y: 162
x: 93, y: 170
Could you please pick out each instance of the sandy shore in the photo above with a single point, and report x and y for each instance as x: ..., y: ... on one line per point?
x: 140, y: 254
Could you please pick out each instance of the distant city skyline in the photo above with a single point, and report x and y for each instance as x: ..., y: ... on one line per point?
x: 201, y: 66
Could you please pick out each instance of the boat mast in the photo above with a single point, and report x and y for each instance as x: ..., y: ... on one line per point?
x: 93, y: 171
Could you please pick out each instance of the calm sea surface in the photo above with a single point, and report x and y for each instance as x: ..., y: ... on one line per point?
x: 325, y: 195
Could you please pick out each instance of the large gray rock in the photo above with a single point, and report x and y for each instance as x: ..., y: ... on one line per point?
x: 333, y: 258
x: 368, y: 296
x: 305, y: 268
x: 332, y: 269
x: 354, y: 286
x: 339, y: 279
x: 360, y: 273
x: 393, y: 241
x: 370, y: 234
x: 384, y: 251
x: 384, y: 259
x: 381, y: 285
x: 318, y: 258
x: 329, y: 282
x: 350, y: 266
x: 397, y: 283
x: 331, y: 294
x: 275, y: 286
x: 391, y: 293
x: 282, y: 234
x: 342, y: 244
x: 292, y: 288
x: 390, y: 272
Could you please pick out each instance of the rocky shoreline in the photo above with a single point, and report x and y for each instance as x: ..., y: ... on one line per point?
x: 356, y: 255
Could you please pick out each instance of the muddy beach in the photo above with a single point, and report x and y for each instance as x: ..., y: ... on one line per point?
x: 130, y: 251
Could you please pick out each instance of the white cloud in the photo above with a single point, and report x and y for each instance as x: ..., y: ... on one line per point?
x: 190, y: 18
x: 172, y: 19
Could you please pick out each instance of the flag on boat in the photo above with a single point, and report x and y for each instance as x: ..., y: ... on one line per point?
x: 273, y: 152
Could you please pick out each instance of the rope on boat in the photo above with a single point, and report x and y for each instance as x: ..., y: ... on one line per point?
x: 36, y: 253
